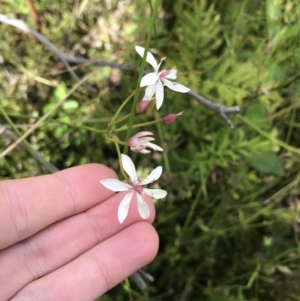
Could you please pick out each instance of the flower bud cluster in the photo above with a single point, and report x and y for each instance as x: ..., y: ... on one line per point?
x: 142, y: 142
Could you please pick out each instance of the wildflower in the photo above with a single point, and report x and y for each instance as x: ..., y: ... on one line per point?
x: 136, y: 188
x: 139, y: 142
x: 157, y: 80
x: 171, y: 118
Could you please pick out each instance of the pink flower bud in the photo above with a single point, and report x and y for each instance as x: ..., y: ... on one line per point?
x: 170, y: 118
x: 142, y: 105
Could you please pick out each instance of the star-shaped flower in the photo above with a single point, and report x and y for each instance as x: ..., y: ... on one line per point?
x: 139, y: 142
x: 135, y: 189
x: 157, y: 80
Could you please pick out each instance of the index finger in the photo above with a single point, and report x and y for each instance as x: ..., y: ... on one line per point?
x: 31, y: 204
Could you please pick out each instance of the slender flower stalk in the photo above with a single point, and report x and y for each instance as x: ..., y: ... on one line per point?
x: 155, y: 81
x: 136, y: 188
x: 154, y: 10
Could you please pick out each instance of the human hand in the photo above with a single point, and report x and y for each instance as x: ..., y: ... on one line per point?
x: 60, y: 238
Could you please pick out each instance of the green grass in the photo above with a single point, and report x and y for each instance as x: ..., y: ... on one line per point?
x: 229, y: 228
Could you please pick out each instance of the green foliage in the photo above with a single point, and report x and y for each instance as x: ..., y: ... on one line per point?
x: 268, y: 163
x: 229, y: 226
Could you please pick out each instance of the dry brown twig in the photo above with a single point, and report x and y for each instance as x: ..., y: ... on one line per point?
x: 34, y: 13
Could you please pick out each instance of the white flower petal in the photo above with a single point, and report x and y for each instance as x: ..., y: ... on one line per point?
x: 143, y: 208
x: 115, y: 185
x: 149, y: 79
x: 175, y: 86
x: 159, y: 95
x: 129, y: 168
x: 150, y: 91
x: 145, y: 151
x: 154, y: 175
x: 142, y: 134
x: 155, y: 193
x: 124, y: 207
x: 149, y: 59
x: 154, y: 146
x: 172, y: 74
x: 144, y: 140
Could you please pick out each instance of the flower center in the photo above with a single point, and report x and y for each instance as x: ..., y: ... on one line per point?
x: 138, y: 188
x: 164, y: 73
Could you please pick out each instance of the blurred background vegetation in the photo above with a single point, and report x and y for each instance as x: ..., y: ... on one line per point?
x: 229, y: 227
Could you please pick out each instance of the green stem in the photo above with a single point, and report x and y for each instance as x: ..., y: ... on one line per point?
x: 123, y: 118
x: 115, y: 141
x: 120, y: 163
x: 120, y: 109
x: 136, y: 96
x: 8, y: 120
x: 139, y: 125
x: 191, y: 211
x: 83, y: 127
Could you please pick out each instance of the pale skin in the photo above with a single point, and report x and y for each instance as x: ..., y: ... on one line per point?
x: 60, y: 238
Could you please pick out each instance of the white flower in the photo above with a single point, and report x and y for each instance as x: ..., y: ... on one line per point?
x: 136, y: 188
x: 157, y: 80
x: 139, y: 142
